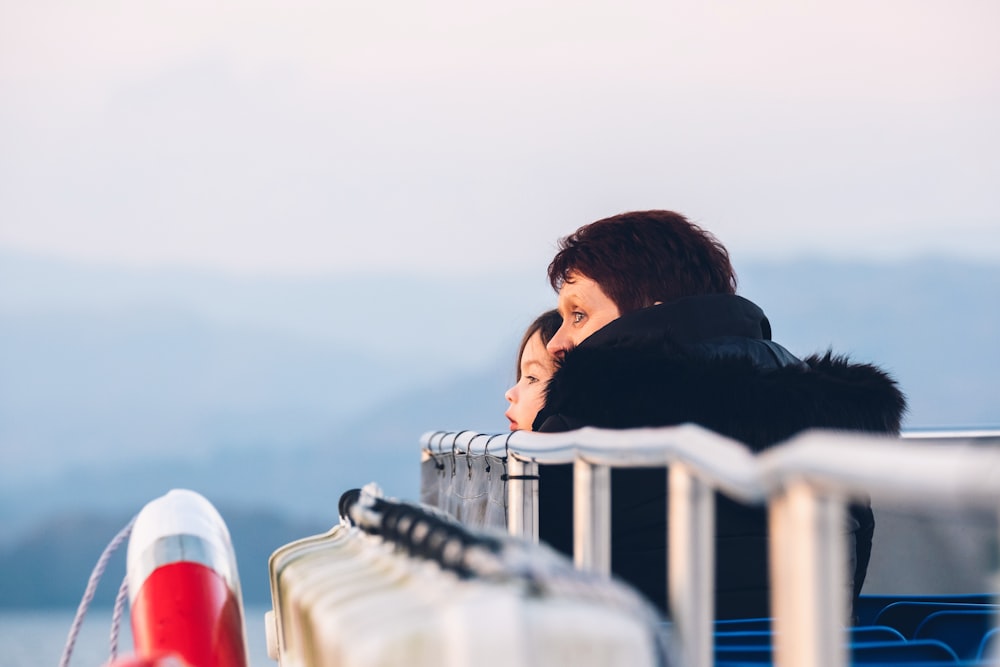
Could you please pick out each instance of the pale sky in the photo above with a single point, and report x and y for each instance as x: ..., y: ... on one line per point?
x: 295, y: 137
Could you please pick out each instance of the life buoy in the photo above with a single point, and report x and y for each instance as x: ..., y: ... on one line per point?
x: 184, y: 588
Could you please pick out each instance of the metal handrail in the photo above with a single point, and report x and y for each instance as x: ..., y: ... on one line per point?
x: 806, y: 482
x: 917, y: 470
x: 727, y: 464
x: 809, y: 481
x: 698, y: 461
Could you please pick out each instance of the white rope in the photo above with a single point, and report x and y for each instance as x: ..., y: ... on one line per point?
x: 88, y: 594
x: 116, y: 618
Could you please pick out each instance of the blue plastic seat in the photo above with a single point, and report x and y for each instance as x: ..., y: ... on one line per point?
x: 875, y: 633
x: 871, y: 633
x: 744, y: 638
x: 743, y: 624
x: 989, y: 646
x: 743, y: 654
x: 913, y: 651
x: 907, y: 616
x: 963, y: 629
x: 868, y: 607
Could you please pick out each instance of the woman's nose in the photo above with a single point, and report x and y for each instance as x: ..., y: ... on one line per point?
x: 559, y: 343
x: 509, y: 394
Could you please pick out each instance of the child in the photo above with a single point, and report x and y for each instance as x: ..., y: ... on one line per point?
x: 534, y: 368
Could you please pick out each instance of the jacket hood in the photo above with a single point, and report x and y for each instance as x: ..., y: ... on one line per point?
x: 688, y: 320
x: 662, y: 370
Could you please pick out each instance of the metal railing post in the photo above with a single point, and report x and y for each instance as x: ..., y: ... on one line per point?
x: 809, y: 595
x: 808, y: 481
x: 522, y: 498
x: 691, y: 571
x: 591, y: 516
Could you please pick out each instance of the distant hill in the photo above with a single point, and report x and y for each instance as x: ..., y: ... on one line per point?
x: 418, y: 321
x: 51, y: 565
x: 108, y: 366
x: 302, y: 479
x: 125, y: 386
x: 933, y: 323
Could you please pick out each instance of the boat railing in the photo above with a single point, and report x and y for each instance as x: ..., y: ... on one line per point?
x: 805, y: 482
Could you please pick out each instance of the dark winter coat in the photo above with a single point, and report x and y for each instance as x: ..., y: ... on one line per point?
x: 706, y: 360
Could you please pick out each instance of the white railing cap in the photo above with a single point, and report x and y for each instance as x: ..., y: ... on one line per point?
x: 855, y: 466
x: 962, y: 465
x: 724, y: 463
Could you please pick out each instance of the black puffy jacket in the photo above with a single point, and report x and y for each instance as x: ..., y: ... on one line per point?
x: 706, y: 360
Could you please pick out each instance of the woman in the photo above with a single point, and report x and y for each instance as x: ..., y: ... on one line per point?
x: 655, y: 335
x: 535, y: 367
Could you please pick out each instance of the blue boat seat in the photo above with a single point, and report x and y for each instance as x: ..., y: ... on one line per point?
x: 867, y: 608
x: 907, y: 616
x: 962, y: 629
x: 989, y: 646
x: 744, y: 638
x: 871, y: 633
x: 743, y: 624
x: 913, y: 651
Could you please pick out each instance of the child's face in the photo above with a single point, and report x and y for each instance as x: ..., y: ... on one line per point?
x: 528, y: 396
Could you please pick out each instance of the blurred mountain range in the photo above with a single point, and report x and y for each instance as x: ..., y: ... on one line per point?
x: 272, y: 396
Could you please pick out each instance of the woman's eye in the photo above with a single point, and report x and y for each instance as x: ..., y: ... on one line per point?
x: 577, y: 317
x: 531, y: 379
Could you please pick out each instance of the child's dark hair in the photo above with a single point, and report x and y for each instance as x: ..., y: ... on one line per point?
x: 546, y: 324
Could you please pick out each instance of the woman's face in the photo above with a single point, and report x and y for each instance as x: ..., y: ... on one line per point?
x: 585, y: 308
x: 528, y: 396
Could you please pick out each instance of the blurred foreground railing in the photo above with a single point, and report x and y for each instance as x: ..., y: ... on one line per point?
x: 492, y: 480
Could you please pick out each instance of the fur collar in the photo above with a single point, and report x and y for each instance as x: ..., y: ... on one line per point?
x: 732, y: 385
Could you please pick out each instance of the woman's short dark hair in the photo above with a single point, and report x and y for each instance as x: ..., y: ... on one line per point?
x: 642, y: 257
x: 546, y: 324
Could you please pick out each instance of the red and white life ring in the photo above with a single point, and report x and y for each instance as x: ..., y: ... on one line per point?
x: 184, y: 588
